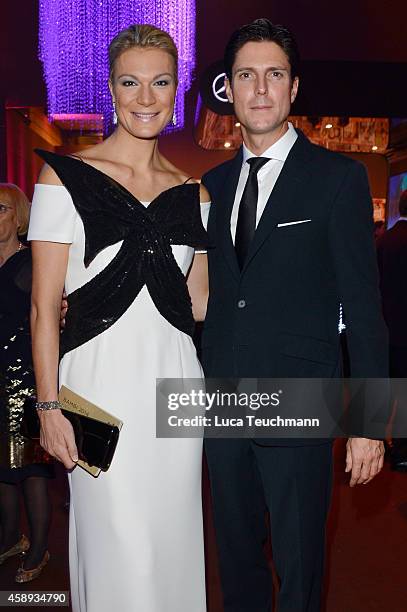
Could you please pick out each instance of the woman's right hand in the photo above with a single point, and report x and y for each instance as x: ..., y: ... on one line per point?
x: 57, y: 437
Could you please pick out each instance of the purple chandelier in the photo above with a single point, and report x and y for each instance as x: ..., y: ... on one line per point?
x: 73, y: 40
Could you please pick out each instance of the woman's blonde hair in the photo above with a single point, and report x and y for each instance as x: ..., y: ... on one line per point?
x: 11, y: 194
x: 143, y: 36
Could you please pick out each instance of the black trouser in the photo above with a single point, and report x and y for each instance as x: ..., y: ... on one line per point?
x: 294, y: 484
x: 398, y: 369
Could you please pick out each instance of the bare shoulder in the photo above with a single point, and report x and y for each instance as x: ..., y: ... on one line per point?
x: 95, y: 153
x: 95, y: 156
x: 204, y: 194
x: 182, y: 177
x: 48, y: 176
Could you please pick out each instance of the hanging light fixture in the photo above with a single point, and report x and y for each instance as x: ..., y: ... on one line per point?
x: 73, y: 41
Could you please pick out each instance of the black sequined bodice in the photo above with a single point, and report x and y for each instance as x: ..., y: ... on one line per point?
x: 110, y: 214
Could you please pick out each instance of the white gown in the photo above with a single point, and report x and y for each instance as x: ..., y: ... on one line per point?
x: 135, y: 536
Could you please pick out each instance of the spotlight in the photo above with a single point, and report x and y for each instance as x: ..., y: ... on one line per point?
x: 227, y: 145
x: 237, y: 124
x: 329, y: 126
x: 374, y: 148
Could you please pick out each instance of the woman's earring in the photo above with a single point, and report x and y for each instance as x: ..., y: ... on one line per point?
x: 174, y: 119
x: 114, y: 113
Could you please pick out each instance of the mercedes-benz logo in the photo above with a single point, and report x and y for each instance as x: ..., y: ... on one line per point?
x: 218, y: 87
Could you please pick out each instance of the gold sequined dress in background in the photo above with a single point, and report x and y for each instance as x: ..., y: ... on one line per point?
x: 19, y: 457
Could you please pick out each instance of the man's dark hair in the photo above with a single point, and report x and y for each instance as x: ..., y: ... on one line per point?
x: 258, y: 31
x: 403, y: 203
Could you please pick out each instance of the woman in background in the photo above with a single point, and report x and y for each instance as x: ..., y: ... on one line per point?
x: 119, y: 226
x: 22, y: 461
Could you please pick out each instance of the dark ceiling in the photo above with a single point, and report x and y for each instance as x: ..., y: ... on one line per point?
x: 356, y: 30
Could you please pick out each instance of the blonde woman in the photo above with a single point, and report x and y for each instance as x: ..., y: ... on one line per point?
x: 118, y: 225
x: 22, y: 462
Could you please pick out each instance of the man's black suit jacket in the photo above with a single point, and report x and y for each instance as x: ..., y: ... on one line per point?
x: 392, y: 258
x: 279, y: 316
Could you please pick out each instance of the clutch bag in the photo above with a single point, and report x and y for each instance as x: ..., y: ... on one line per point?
x: 96, y: 431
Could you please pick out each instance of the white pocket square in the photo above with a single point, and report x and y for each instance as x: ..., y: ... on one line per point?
x: 293, y: 222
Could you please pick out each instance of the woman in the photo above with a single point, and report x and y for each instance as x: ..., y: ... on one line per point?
x: 21, y: 460
x: 117, y: 226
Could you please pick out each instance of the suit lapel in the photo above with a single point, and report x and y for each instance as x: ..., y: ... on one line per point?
x: 281, y: 204
x: 225, y: 205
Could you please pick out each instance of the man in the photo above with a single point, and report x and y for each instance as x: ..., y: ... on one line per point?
x: 292, y: 228
x: 392, y: 259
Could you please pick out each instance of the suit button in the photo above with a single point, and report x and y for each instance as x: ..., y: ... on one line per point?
x: 241, y: 304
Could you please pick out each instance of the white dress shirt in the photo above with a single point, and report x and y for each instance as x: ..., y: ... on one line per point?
x: 267, y: 175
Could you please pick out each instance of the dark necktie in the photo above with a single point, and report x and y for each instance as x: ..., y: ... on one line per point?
x: 246, y: 221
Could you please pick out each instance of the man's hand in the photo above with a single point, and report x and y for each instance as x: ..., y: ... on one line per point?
x: 64, y: 310
x: 364, y: 458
